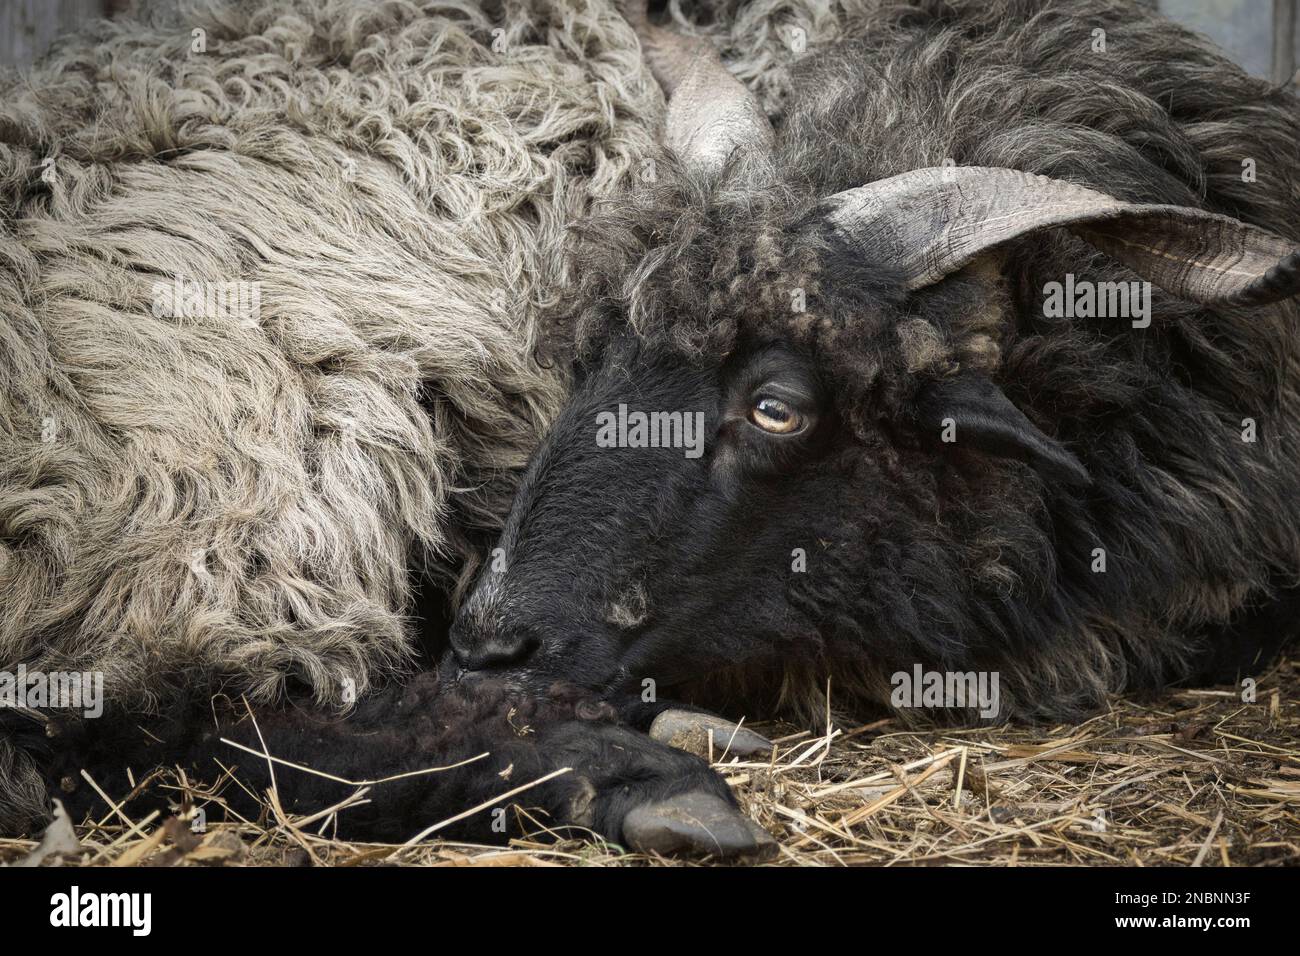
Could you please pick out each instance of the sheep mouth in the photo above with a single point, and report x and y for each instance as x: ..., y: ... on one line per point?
x: 528, y: 681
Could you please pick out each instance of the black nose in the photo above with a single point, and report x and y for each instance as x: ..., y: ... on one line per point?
x: 495, y: 651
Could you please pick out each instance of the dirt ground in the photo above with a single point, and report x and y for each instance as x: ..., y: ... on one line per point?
x: 1192, y: 777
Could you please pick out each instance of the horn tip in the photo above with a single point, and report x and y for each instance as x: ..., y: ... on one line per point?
x: 1281, y: 281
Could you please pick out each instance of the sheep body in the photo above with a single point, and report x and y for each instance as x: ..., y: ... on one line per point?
x: 237, y: 502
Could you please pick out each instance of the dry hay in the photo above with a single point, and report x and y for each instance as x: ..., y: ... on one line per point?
x: 1193, y: 777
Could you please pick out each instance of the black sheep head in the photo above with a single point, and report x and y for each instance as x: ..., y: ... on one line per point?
x: 794, y: 440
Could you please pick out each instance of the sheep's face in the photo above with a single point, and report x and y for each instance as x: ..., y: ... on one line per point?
x: 659, y: 528
x: 778, y: 463
x: 781, y: 496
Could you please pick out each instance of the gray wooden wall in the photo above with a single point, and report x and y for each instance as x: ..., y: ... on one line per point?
x: 27, y: 27
x: 1246, y: 29
x: 1243, y: 28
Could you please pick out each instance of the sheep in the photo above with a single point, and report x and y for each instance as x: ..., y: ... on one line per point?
x: 269, y: 279
x: 832, y: 295
x: 917, y: 457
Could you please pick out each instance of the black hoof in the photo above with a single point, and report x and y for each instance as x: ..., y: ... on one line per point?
x: 696, y: 824
x: 689, y: 730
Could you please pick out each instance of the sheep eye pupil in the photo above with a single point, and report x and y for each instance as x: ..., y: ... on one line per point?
x: 774, y: 415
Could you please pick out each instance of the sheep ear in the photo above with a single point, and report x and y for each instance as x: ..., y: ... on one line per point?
x: 968, y: 410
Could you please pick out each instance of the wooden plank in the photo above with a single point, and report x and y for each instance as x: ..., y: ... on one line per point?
x: 1242, y: 28
x: 28, y: 27
x: 1284, y: 42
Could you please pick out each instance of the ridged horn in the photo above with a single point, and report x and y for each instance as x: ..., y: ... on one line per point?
x: 931, y: 222
x: 710, y: 113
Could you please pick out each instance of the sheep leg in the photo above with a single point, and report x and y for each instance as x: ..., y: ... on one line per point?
x: 562, y: 763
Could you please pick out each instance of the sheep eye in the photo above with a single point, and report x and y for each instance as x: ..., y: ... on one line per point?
x: 775, y: 416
